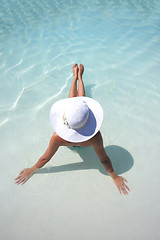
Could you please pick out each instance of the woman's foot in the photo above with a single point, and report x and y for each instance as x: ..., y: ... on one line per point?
x: 80, y: 70
x: 75, y: 70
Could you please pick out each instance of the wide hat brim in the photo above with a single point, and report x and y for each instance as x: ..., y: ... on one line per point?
x: 91, y: 127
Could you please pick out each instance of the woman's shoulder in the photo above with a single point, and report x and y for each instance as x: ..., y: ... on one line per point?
x: 56, y: 138
x: 96, y: 140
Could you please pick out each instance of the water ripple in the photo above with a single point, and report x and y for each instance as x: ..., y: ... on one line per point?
x: 16, y: 65
x: 40, y: 106
x: 4, y: 122
x: 17, y: 100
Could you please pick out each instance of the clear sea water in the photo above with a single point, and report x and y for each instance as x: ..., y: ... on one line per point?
x: 119, y: 44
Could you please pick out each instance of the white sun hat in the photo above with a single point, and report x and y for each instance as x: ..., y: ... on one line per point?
x: 76, y: 119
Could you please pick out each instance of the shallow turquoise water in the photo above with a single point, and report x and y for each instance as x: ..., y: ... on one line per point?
x: 119, y: 44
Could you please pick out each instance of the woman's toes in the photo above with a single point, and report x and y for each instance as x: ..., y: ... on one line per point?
x: 81, y: 69
x: 75, y: 69
x: 75, y: 65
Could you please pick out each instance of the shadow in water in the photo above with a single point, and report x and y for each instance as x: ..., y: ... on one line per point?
x: 121, y: 159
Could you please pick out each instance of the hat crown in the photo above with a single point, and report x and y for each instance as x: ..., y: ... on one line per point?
x: 77, y: 113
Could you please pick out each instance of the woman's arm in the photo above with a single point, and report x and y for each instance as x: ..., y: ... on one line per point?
x: 100, y: 151
x: 25, y: 174
x: 51, y: 150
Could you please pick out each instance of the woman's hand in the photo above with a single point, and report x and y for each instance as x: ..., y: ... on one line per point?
x: 122, y: 187
x: 24, y: 175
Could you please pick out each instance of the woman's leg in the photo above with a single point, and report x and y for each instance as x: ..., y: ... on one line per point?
x: 73, y: 89
x: 81, y: 90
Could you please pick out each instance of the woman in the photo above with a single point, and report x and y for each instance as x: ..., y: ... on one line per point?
x: 76, y: 121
